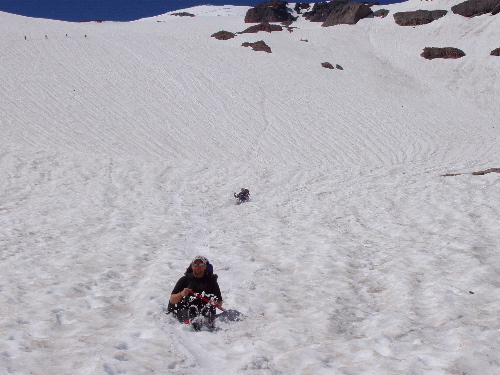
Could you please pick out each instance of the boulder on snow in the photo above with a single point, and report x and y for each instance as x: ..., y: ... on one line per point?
x: 418, y: 17
x: 473, y: 8
x: 381, y: 13
x: 258, y: 46
x: 264, y: 26
x: 442, y: 53
x: 338, y: 12
x: 269, y: 11
x: 330, y: 66
x: 223, y: 35
x: 495, y: 52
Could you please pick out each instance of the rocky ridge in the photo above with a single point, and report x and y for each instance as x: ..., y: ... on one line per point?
x: 349, y: 12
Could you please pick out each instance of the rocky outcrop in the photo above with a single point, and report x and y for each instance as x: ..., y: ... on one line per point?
x: 381, y: 13
x: 258, y: 46
x: 270, y: 11
x: 223, y: 35
x: 418, y: 17
x: 496, y: 9
x: 299, y: 7
x: 338, y: 12
x: 319, y: 12
x: 495, y: 52
x: 473, y: 8
x: 349, y: 14
x: 264, y: 26
x: 442, y: 53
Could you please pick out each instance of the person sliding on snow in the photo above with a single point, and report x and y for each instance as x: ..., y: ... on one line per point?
x: 198, y: 279
x: 243, y: 195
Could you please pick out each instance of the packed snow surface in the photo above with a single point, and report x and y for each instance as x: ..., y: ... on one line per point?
x: 122, y: 144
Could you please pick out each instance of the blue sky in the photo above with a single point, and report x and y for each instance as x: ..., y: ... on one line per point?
x: 109, y: 10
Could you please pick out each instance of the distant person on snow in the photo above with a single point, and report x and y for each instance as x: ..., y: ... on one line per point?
x: 199, y: 279
x: 243, y: 195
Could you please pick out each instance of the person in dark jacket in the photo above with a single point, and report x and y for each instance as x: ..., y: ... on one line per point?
x: 243, y: 195
x: 198, y: 278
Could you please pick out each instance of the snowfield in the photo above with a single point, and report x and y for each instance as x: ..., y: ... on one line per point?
x: 122, y: 144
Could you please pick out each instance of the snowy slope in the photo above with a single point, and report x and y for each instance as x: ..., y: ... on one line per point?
x: 178, y: 94
x: 123, y: 142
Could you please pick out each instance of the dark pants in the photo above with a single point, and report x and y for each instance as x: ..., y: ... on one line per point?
x: 193, y: 311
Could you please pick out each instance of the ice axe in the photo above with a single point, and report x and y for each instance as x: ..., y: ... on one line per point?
x: 207, y: 300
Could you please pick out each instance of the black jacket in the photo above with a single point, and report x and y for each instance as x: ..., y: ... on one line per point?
x: 206, y: 286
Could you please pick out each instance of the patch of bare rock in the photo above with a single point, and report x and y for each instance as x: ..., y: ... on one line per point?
x: 258, y: 46
x: 264, y: 26
x: 495, y: 52
x: 223, y: 35
x: 382, y: 13
x: 473, y: 8
x: 442, y: 53
x: 338, y: 12
x: 418, y: 17
x: 299, y: 7
x: 269, y: 11
x: 328, y: 65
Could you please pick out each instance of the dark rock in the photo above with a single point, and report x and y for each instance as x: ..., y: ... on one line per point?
x: 473, y: 8
x: 442, y: 53
x: 183, y: 14
x: 496, y: 9
x: 338, y: 12
x: 320, y: 11
x: 270, y: 11
x: 348, y: 14
x: 258, y: 46
x: 339, y: 67
x: 495, y: 52
x: 381, y: 13
x: 327, y: 65
x: 418, y: 17
x: 491, y: 170
x: 301, y: 6
x: 480, y: 173
x: 264, y: 26
x: 223, y: 35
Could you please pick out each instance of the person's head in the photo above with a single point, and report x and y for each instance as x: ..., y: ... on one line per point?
x: 199, y: 265
x: 242, y: 190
